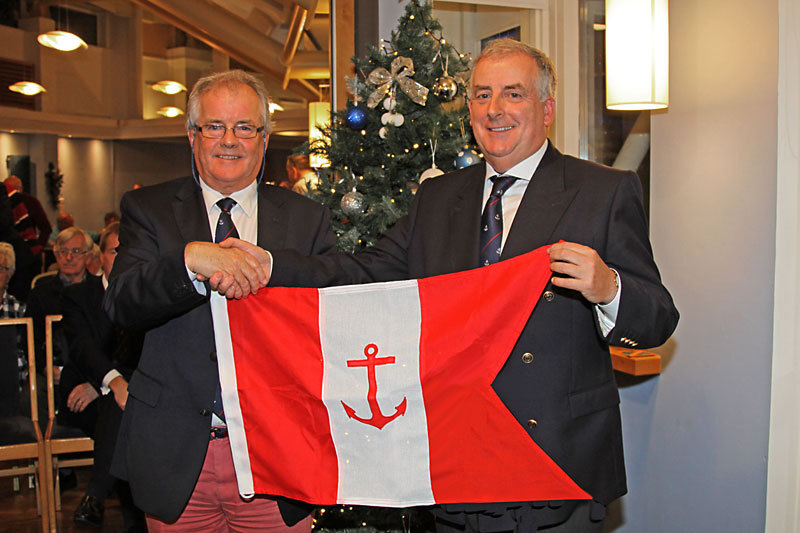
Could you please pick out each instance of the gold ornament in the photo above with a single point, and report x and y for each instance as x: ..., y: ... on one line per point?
x: 402, y: 70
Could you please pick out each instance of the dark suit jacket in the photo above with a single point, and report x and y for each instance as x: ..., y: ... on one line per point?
x: 166, y: 424
x: 95, y: 344
x: 568, y: 386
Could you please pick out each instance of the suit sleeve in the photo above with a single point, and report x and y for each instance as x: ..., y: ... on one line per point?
x: 386, y: 261
x: 84, y: 347
x: 149, y: 283
x: 647, y: 315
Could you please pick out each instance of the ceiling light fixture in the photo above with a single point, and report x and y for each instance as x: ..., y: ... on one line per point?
x: 170, y: 111
x: 28, y: 88
x: 61, y: 40
x: 274, y: 106
x: 168, y: 87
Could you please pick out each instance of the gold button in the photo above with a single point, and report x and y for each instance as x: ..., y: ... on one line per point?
x: 548, y: 296
x: 527, y: 357
x: 532, y: 423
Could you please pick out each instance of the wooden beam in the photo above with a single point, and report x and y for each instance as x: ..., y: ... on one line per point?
x: 342, y: 49
x: 224, y: 31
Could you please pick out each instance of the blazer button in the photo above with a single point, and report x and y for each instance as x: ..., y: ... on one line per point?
x: 532, y: 423
x: 527, y: 357
x: 548, y: 296
x: 205, y: 412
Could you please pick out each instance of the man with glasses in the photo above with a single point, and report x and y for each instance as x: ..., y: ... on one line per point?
x: 173, y: 447
x: 71, y: 250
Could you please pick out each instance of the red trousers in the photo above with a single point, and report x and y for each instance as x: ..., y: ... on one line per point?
x: 215, y: 505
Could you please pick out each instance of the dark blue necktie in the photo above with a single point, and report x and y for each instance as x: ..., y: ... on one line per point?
x: 225, y: 229
x: 492, y: 221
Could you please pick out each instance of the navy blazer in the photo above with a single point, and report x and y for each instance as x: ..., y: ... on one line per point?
x: 565, y: 395
x: 165, y: 427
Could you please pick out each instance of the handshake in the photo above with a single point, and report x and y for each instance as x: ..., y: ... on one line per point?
x: 234, y: 268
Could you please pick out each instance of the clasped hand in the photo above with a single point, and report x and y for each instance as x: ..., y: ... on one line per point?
x: 234, y: 268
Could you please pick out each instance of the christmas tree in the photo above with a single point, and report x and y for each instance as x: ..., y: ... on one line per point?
x: 407, y: 116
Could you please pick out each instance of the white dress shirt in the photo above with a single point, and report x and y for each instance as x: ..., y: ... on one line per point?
x: 512, y: 198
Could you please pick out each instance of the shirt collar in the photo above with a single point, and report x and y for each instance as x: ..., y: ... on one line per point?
x: 246, y: 198
x: 524, y: 169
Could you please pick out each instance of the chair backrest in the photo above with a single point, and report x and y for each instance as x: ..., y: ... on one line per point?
x: 9, y: 369
x: 48, y: 332
x: 9, y: 372
x: 37, y: 277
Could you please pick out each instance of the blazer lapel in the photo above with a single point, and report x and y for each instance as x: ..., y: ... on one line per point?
x: 273, y: 222
x: 545, y: 201
x: 461, y: 249
x: 190, y: 213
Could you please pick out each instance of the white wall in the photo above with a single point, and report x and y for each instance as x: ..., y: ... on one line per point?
x: 88, y: 169
x: 783, y: 492
x: 696, y: 436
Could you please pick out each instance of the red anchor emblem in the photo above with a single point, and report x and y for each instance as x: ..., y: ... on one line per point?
x: 378, y: 419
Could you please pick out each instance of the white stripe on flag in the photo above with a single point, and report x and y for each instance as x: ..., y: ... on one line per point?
x: 230, y: 396
x: 356, y: 321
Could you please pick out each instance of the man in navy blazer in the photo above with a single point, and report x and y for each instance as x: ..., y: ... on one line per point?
x: 558, y: 381
x: 173, y: 451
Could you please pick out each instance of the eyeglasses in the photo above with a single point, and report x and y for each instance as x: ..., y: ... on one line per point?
x: 216, y: 130
x: 4, y: 268
x: 64, y: 252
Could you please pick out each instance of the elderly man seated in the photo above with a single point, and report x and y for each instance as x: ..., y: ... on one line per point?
x: 74, y: 394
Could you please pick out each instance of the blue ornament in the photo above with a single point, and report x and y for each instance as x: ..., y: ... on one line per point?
x: 355, y: 118
x: 467, y: 157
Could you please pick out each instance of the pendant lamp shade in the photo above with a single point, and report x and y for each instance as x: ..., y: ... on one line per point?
x: 61, y: 40
x: 637, y: 54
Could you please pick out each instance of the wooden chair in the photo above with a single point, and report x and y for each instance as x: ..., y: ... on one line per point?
x: 60, y: 440
x: 21, y: 434
x: 38, y: 277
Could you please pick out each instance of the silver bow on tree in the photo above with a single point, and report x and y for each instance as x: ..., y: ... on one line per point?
x: 402, y: 70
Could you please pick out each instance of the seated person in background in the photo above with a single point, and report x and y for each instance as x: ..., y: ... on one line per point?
x: 10, y: 307
x: 108, y: 356
x: 109, y: 218
x: 63, y: 221
x: 71, y: 250
x: 72, y: 253
x: 301, y: 176
x: 93, y: 264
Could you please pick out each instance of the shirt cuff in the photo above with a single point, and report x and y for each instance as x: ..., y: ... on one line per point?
x: 607, y: 313
x: 107, y: 379
x: 199, y: 286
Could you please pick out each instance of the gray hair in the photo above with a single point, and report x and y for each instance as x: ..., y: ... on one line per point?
x: 227, y: 79
x: 71, y: 232
x: 8, y: 258
x: 545, y: 82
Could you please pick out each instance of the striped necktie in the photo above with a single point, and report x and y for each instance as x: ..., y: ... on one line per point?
x: 492, y: 221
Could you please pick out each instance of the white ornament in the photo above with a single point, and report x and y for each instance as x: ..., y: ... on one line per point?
x: 389, y: 103
x: 382, y: 132
x: 430, y: 173
x: 395, y: 119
